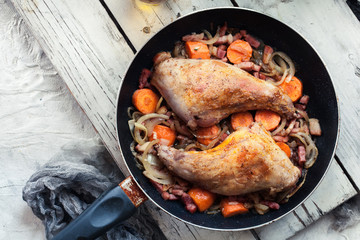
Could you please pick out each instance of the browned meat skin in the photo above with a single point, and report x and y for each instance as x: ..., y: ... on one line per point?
x: 247, y: 161
x: 203, y: 92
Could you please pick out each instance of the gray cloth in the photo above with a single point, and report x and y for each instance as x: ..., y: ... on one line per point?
x: 61, y: 189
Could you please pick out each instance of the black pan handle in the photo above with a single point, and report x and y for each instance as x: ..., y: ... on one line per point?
x: 112, y: 207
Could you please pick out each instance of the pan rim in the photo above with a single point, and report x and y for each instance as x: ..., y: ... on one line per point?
x: 290, y: 210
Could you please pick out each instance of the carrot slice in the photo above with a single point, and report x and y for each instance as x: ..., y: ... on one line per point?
x: 241, y: 119
x: 166, y: 135
x: 283, y: 146
x: 294, y: 88
x: 197, y: 50
x: 207, y: 134
x: 239, y: 51
x: 145, y: 100
x: 232, y: 208
x: 269, y: 119
x: 203, y: 199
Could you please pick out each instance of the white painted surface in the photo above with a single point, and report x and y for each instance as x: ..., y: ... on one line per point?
x: 91, y: 56
x: 38, y: 115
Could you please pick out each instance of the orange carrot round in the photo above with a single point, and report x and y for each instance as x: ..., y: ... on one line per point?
x: 207, y: 134
x: 203, y: 199
x: 283, y: 146
x: 241, y: 119
x: 239, y: 51
x: 197, y: 50
x: 293, y: 89
x: 232, y: 208
x: 145, y: 100
x: 269, y: 119
x: 166, y: 135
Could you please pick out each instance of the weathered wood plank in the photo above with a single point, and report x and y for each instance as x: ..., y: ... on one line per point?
x: 319, y: 203
x: 141, y: 21
x: 88, y: 52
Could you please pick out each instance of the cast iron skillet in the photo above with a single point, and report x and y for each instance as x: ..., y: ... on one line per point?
x: 310, y: 69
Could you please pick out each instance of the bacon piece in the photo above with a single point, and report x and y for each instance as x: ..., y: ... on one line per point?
x: 143, y: 80
x: 252, y: 41
x: 161, y: 56
x: 223, y: 29
x: 278, y: 138
x: 314, y: 127
x: 301, y: 155
x: 304, y: 99
x: 220, y: 53
x: 267, y: 54
x: 300, y: 106
x: 227, y: 39
x: 237, y: 36
x: 193, y: 37
x: 189, y: 203
x: 243, y: 33
x: 262, y: 76
x: 271, y: 204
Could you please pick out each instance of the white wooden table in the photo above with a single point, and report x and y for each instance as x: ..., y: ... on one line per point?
x: 91, y: 43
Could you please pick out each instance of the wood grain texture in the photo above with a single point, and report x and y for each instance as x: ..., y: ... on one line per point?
x: 333, y: 189
x: 88, y: 52
x: 91, y: 56
x: 141, y: 21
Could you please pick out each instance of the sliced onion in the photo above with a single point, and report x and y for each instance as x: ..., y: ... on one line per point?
x: 302, y: 140
x: 137, y: 133
x: 281, y: 68
x: 159, y: 104
x: 311, y: 150
x: 290, y: 127
x: 298, y: 187
x: 280, y: 127
x: 212, y: 40
x: 129, y: 110
x: 190, y: 146
x: 148, y: 147
x: 166, y: 181
x: 208, y: 34
x: 261, y: 208
x: 303, y: 114
x: 151, y: 115
x: 151, y: 123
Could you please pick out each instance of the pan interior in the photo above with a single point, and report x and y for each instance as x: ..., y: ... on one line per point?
x: 310, y: 69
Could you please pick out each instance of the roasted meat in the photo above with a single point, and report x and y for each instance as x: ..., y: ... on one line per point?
x: 203, y: 92
x: 247, y: 161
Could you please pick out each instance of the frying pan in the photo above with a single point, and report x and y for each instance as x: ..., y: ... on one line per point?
x: 106, y: 211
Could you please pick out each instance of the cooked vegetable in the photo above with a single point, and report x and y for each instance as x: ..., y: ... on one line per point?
x: 165, y: 134
x: 145, y: 100
x: 268, y: 118
x: 293, y: 88
x: 241, y: 119
x: 283, y: 146
x: 232, y: 208
x: 197, y: 50
x: 203, y: 199
x: 239, y: 51
x: 206, y: 135
x: 314, y: 127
